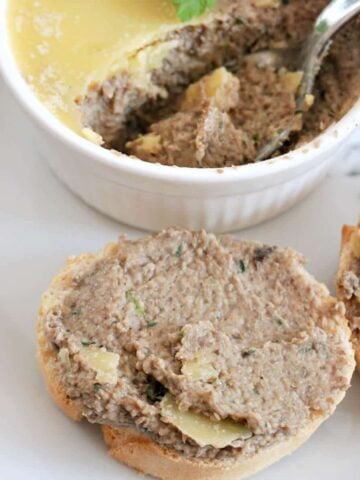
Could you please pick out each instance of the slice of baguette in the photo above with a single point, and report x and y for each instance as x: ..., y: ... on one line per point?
x: 346, y: 263
x: 140, y: 451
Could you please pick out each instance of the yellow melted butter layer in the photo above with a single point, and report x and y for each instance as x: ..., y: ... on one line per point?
x: 63, y: 46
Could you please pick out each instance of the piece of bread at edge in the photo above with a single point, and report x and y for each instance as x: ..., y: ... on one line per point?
x: 252, y: 336
x: 348, y: 281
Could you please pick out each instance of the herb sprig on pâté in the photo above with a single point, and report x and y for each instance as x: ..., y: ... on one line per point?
x: 188, y: 9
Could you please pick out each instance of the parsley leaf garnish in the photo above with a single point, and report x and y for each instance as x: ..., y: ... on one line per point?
x: 187, y: 9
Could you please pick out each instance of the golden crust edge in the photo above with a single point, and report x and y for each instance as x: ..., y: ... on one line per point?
x: 147, y: 457
x: 139, y: 451
x: 344, y: 261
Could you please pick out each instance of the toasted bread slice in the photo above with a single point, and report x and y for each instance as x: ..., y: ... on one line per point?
x: 141, y: 449
x: 348, y: 282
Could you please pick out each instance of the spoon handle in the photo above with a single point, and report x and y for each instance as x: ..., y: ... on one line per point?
x: 334, y: 16
x: 331, y: 19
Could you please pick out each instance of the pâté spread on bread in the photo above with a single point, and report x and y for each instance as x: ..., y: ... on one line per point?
x: 205, y: 92
x: 215, y: 350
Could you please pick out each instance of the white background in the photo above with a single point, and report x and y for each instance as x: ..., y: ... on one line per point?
x: 41, y: 223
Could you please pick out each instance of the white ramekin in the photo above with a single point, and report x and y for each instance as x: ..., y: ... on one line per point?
x: 152, y: 196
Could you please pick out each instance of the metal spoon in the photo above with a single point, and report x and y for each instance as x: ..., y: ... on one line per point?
x: 312, y: 53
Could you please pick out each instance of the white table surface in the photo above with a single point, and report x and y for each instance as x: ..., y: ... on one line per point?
x: 41, y: 223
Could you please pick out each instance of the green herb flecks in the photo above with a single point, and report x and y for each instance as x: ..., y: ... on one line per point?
x: 154, y: 391
x: 87, y: 343
x: 279, y: 321
x: 152, y: 324
x: 130, y: 297
x: 256, y: 137
x: 242, y: 267
x: 248, y: 352
x: 97, y: 387
x: 187, y: 9
x: 309, y: 347
x: 242, y: 21
x: 322, y: 26
x: 75, y: 312
x: 179, y: 250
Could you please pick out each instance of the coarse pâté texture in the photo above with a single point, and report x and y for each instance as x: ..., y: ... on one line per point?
x: 152, y: 336
x: 128, y: 83
x: 154, y: 124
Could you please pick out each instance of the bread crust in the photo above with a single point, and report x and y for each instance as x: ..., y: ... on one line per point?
x: 346, y: 257
x: 147, y: 457
x: 138, y: 450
